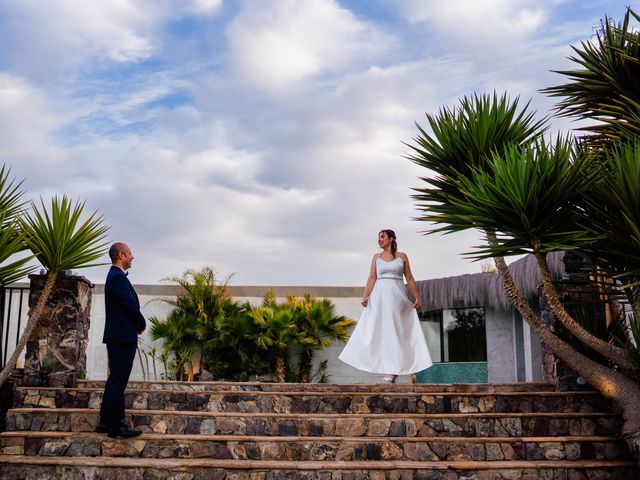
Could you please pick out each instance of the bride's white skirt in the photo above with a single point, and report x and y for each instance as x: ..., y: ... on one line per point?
x: 388, y: 338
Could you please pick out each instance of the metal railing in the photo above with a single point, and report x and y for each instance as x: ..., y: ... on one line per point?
x: 14, y: 309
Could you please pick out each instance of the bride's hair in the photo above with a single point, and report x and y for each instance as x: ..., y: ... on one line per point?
x: 392, y: 235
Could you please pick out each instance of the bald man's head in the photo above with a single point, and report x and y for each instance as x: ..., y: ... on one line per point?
x: 121, y: 255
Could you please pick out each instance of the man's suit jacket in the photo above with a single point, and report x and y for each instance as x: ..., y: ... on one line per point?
x: 123, y: 319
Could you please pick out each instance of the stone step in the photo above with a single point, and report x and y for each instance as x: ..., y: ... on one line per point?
x: 319, y: 402
x: 291, y: 424
x: 17, y: 467
x: 332, y: 387
x: 239, y: 447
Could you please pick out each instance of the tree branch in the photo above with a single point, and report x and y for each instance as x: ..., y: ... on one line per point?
x: 616, y: 354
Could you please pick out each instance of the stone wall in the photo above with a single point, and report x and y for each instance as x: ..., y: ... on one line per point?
x: 56, y: 352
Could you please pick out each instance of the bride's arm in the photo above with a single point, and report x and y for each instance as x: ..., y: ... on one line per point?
x: 411, y: 282
x: 371, y: 281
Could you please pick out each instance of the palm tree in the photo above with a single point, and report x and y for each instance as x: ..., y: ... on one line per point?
x: 530, y: 196
x: 463, y: 139
x: 179, y: 333
x: 274, y: 330
x: 605, y: 91
x: 605, y: 87
x: 234, y: 352
x: 537, y: 198
x: 60, y: 241
x: 316, y: 320
x: 463, y: 142
x: 202, y: 293
x: 206, y: 306
x: 11, y: 236
x: 613, y: 210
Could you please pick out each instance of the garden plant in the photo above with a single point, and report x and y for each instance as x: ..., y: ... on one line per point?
x: 492, y: 168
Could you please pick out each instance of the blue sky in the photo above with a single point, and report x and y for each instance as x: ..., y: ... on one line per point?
x: 263, y: 138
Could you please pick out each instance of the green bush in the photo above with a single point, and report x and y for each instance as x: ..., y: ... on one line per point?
x: 209, y: 330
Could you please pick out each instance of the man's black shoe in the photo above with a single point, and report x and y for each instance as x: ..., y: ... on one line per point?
x: 101, y: 428
x: 104, y: 428
x: 122, y: 431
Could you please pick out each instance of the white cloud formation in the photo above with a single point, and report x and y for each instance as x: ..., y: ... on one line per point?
x: 477, y: 25
x: 28, y: 119
x: 194, y: 165
x: 205, y: 7
x: 274, y: 48
x: 57, y: 34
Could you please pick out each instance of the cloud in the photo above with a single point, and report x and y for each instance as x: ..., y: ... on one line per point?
x: 205, y: 7
x: 473, y: 26
x: 53, y: 36
x: 28, y: 120
x: 469, y: 17
x: 293, y: 40
x: 271, y: 145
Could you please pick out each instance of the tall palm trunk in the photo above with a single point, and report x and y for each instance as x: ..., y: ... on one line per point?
x: 635, y: 308
x: 306, y: 356
x: 34, y: 317
x: 612, y: 384
x: 144, y: 371
x: 281, y: 367
x: 615, y: 354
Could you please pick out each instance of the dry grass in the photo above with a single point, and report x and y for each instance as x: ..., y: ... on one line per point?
x: 485, y: 289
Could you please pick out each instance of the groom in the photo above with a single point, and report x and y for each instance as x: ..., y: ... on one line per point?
x: 123, y: 323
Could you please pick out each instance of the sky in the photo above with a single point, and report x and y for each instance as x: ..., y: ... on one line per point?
x: 264, y: 138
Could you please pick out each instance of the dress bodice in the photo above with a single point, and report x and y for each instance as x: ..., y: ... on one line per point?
x: 392, y: 269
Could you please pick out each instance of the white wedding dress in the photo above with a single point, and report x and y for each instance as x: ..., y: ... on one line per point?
x: 388, y: 338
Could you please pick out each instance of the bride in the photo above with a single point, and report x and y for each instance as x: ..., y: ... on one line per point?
x: 388, y: 338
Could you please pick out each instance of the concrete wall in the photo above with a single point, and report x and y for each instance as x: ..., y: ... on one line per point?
x: 509, y: 353
x: 345, y: 299
x: 500, y: 347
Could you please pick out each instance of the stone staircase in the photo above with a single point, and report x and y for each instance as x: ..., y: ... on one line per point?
x: 260, y: 431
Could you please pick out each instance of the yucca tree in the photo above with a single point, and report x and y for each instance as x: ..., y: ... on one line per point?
x: 523, y: 194
x: 60, y: 240
x: 11, y: 235
x: 535, y: 194
x: 605, y: 86
x: 463, y: 139
x: 604, y: 90
x: 530, y: 197
x: 316, y: 320
x: 614, y: 216
x: 463, y: 143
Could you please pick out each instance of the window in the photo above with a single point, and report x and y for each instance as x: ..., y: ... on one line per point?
x: 455, y: 335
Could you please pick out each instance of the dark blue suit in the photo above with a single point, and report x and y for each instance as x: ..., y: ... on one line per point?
x: 123, y: 323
